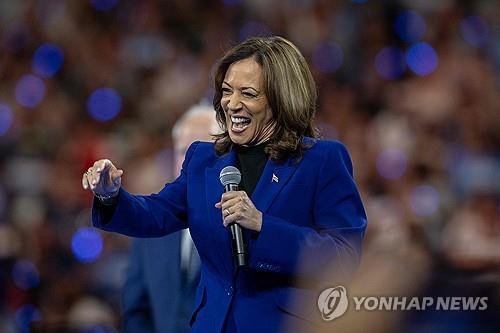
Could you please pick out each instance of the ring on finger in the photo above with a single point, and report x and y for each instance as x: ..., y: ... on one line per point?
x: 227, y: 212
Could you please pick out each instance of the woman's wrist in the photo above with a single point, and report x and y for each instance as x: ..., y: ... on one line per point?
x: 107, y: 199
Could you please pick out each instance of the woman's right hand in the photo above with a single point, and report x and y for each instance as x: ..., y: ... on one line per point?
x: 103, y: 178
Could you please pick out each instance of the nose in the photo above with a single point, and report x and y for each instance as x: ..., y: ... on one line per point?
x: 234, y: 102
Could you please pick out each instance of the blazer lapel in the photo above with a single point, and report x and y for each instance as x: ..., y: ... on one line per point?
x: 274, y: 177
x: 213, y: 192
x: 214, y: 188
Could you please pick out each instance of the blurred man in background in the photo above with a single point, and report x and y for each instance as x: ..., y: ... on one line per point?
x: 164, y: 272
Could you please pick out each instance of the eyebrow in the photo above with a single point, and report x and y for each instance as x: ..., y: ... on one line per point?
x: 242, y: 88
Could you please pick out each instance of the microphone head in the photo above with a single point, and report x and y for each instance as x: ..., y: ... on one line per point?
x: 230, y: 175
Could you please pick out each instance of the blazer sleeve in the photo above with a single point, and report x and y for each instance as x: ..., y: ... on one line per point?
x: 136, y: 304
x: 149, y: 215
x: 331, y: 242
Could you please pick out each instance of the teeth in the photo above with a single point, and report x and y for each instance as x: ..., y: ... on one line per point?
x: 238, y: 120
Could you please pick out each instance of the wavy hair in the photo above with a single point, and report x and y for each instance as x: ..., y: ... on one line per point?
x: 290, y: 90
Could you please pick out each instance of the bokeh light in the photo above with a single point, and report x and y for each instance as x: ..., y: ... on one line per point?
x: 391, y: 163
x: 86, y: 244
x: 104, y: 104
x: 475, y: 30
x: 421, y: 59
x: 232, y: 2
x: 25, y: 315
x: 390, y: 63
x: 6, y: 118
x: 98, y: 328
x: 103, y: 5
x: 47, y: 60
x: 25, y: 274
x: 254, y: 29
x: 30, y: 91
x: 409, y: 26
x: 424, y: 200
x: 359, y: 1
x: 327, y: 57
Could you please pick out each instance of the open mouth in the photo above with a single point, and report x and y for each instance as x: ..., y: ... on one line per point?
x: 239, y: 124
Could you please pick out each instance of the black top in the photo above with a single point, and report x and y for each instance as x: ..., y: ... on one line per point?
x: 251, y: 162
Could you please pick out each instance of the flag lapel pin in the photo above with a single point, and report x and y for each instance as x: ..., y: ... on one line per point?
x: 275, y: 178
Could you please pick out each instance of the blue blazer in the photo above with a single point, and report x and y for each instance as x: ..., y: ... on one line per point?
x: 313, y: 219
x: 152, y: 293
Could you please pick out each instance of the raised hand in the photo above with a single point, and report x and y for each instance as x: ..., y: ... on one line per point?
x: 103, y: 178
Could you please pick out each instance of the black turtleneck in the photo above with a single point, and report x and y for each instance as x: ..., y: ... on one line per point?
x: 251, y: 162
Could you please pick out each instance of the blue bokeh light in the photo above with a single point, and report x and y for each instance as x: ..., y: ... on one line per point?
x: 254, y: 29
x: 47, y: 60
x: 327, y: 57
x: 424, y: 200
x: 86, y: 244
x: 25, y: 274
x: 98, y: 328
x: 232, y: 2
x: 391, y: 163
x: 421, y: 59
x: 104, y: 104
x: 410, y: 26
x: 475, y: 30
x: 6, y: 118
x: 30, y: 91
x: 103, y: 5
x: 359, y: 1
x: 25, y: 315
x: 390, y: 63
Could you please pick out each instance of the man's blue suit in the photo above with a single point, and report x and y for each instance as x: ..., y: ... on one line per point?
x: 153, y: 294
x: 312, y: 219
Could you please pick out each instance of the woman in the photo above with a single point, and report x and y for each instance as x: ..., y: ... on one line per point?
x: 299, y: 208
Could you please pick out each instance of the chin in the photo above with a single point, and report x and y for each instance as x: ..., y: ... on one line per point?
x: 238, y: 140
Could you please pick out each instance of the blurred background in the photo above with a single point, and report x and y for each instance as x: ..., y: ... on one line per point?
x: 411, y: 87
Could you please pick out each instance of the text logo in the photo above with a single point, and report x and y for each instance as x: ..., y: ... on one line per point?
x: 332, y: 303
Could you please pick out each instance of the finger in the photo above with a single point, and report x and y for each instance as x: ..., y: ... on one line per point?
x: 85, y: 182
x: 93, y: 179
x: 232, y: 218
x: 116, y: 175
x: 104, y: 165
x: 90, y: 175
x: 232, y: 194
x: 218, y: 205
x: 231, y: 204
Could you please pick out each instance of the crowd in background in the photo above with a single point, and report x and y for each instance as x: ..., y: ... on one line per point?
x: 411, y: 88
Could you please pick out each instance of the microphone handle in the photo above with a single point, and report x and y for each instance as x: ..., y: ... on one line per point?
x: 239, y: 249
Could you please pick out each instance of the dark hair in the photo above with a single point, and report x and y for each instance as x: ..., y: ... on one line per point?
x: 290, y: 90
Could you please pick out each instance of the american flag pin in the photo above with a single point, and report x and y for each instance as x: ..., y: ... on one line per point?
x: 275, y: 178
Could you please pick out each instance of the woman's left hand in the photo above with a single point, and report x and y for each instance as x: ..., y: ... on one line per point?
x: 237, y: 207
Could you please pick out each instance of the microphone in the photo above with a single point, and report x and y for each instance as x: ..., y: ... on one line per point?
x: 230, y: 178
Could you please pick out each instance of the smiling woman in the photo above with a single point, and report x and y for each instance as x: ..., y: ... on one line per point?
x: 264, y: 91
x: 297, y: 204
